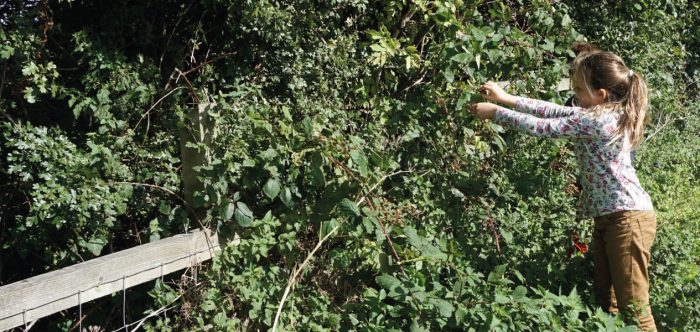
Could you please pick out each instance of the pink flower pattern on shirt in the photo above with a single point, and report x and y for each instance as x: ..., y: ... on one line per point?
x: 608, y: 178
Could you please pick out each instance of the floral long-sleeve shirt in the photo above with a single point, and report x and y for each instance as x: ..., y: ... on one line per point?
x: 609, y: 181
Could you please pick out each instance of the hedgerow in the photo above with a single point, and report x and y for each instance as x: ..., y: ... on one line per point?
x: 350, y: 188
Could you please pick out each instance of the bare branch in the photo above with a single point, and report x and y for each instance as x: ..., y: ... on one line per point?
x: 663, y: 122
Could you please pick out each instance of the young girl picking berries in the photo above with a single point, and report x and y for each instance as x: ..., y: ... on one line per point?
x: 605, y: 127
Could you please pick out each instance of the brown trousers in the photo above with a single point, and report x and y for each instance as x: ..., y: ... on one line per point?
x: 621, y: 252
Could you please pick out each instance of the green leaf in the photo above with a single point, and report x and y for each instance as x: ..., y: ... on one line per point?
x: 243, y: 215
x: 460, y: 315
x: 388, y: 282
x: 327, y: 227
x: 208, y: 305
x: 463, y: 99
x: 6, y: 51
x: 286, y: 198
x: 95, y: 245
x: 412, y: 235
x: 154, y: 230
x: 449, y: 75
x: 360, y: 160
x: 507, y: 236
x: 271, y: 188
x: 268, y: 154
x: 227, y: 210
x: 29, y: 95
x: 164, y: 208
x: 519, y: 292
x: 424, y: 246
x: 444, y: 307
x: 377, y: 48
x: 349, y: 208
x: 501, y: 299
x: 496, y: 276
x: 463, y: 58
x: 416, y: 327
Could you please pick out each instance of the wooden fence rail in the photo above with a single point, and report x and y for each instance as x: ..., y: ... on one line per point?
x: 28, y: 300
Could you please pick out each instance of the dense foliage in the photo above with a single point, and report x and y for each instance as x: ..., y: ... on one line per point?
x: 338, y: 123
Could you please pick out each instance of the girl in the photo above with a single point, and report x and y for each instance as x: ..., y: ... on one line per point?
x: 606, y: 126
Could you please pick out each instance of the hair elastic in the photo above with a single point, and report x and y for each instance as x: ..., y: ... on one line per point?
x: 630, y: 73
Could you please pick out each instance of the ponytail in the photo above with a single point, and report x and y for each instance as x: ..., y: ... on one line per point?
x: 635, y: 115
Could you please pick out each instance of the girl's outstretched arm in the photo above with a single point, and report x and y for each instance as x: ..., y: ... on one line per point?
x: 543, y: 109
x: 577, y: 125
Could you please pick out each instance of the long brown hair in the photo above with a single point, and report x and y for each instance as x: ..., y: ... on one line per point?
x: 627, y: 91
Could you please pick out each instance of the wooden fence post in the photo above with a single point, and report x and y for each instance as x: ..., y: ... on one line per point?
x: 197, y: 129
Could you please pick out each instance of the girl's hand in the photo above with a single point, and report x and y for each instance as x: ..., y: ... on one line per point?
x: 484, y: 111
x: 493, y: 92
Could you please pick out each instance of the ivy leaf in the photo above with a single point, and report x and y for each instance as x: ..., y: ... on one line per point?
x: 349, y: 208
x: 271, y: 188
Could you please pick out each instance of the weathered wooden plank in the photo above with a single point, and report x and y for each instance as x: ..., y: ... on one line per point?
x: 30, y: 299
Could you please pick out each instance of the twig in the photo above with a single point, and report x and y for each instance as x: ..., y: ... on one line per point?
x: 419, y: 81
x: 206, y: 62
x: 666, y: 122
x: 193, y: 92
x: 156, y: 313
x: 154, y: 105
x: 391, y: 244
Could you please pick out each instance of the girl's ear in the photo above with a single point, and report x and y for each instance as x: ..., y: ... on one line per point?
x: 602, y: 94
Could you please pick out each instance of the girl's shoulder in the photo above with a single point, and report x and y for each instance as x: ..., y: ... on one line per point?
x: 602, y: 113
x: 603, y: 121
